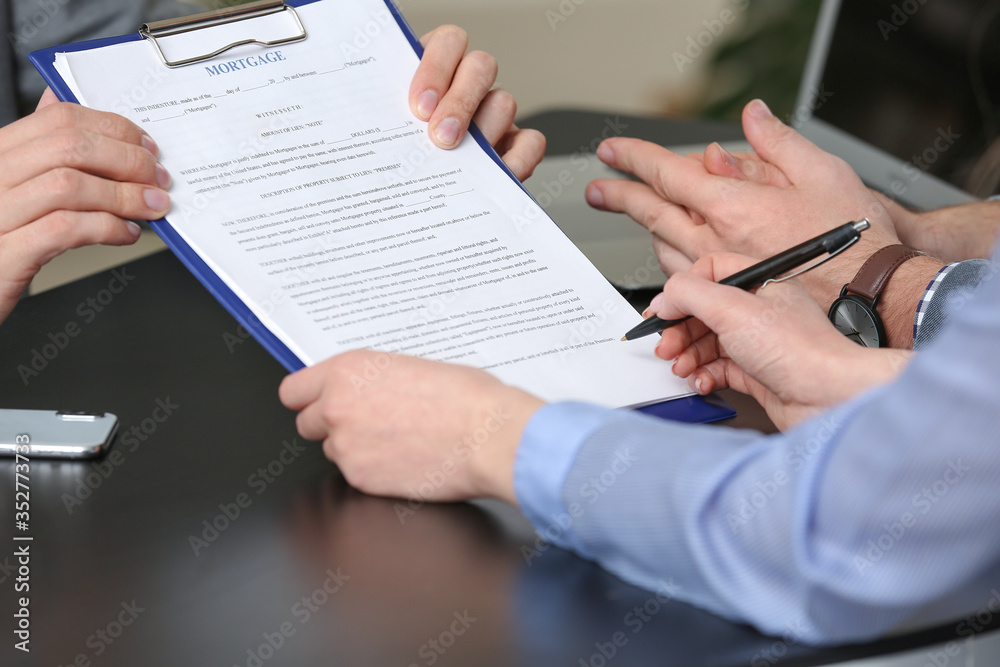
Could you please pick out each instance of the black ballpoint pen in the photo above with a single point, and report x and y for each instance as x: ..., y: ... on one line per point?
x: 833, y: 242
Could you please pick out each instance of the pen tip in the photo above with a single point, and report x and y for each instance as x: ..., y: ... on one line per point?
x: 624, y: 338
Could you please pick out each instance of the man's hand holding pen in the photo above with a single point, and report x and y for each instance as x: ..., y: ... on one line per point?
x: 783, y: 266
x: 776, y: 345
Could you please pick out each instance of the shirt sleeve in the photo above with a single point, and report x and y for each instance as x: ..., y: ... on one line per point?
x: 875, y: 517
x: 954, y: 282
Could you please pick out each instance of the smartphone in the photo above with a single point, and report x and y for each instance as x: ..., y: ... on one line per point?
x: 56, y: 434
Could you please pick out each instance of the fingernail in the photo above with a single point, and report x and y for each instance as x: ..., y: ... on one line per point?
x: 133, y: 229
x: 162, y: 176
x: 727, y: 157
x: 760, y: 110
x: 426, y: 104
x: 656, y: 303
x: 150, y: 145
x: 646, y: 313
x: 447, y: 131
x: 605, y: 153
x: 157, y: 200
x: 595, y: 197
x: 699, y: 386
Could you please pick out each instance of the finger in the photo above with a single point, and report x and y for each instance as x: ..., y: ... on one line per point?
x: 48, y: 97
x: 522, y: 151
x: 724, y: 373
x: 310, y: 423
x: 55, y: 233
x: 677, y: 179
x: 668, y: 221
x: 675, y: 340
x: 475, y: 76
x: 721, y: 162
x: 25, y: 250
x: 702, y: 351
x: 776, y: 143
x: 713, y: 376
x: 73, y: 116
x: 696, y: 217
x: 85, y: 151
x: 495, y: 116
x: 444, y: 48
x: 71, y: 190
x: 672, y: 260
x: 637, y: 200
x: 302, y: 388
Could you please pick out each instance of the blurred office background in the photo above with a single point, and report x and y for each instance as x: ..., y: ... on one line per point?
x: 651, y: 57
x: 644, y: 57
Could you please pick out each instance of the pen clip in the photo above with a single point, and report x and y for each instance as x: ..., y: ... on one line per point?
x: 812, y: 266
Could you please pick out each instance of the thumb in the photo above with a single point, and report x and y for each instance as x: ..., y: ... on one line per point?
x: 779, y: 144
x: 48, y: 97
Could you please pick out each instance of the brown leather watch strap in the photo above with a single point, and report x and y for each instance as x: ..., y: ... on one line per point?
x: 875, y: 273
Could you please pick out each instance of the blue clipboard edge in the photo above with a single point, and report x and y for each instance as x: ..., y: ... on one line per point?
x: 692, y: 409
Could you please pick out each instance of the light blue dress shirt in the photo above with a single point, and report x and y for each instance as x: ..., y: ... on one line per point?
x: 881, y: 515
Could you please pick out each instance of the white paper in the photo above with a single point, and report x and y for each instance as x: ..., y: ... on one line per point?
x: 303, y: 180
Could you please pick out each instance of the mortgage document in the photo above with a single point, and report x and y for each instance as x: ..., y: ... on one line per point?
x: 304, y: 181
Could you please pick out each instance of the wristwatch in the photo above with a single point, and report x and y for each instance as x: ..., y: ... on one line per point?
x: 855, y: 312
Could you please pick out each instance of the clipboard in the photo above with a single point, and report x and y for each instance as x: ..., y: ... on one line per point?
x: 44, y: 60
x: 691, y: 409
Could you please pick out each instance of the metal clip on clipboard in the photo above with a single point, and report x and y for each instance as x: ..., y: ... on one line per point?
x: 217, y: 17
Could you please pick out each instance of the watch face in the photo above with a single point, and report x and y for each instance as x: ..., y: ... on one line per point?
x: 856, y: 320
